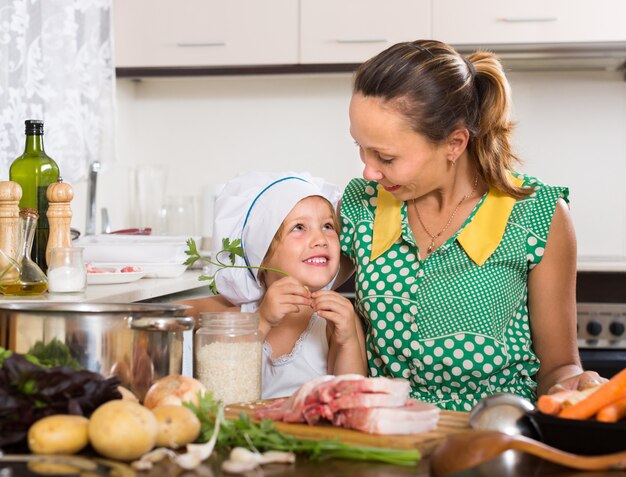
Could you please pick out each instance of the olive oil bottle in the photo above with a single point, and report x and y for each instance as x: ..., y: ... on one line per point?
x: 34, y: 171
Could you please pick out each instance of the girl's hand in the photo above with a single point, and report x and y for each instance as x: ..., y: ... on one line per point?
x: 283, y: 297
x: 578, y: 382
x: 339, y: 311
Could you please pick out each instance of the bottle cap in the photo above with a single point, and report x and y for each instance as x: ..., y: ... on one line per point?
x: 34, y: 126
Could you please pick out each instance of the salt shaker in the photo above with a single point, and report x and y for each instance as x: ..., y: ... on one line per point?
x: 59, y: 215
x: 228, y: 350
x: 10, y: 195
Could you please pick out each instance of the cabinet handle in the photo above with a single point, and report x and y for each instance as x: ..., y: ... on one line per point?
x: 201, y: 43
x: 357, y: 39
x: 528, y: 19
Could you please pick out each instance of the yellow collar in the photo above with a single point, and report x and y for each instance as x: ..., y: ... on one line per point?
x: 479, y: 238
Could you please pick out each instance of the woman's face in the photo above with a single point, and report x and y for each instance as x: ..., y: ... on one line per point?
x: 309, y: 247
x: 404, y: 162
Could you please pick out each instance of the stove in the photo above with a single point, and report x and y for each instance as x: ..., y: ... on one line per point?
x: 602, y: 337
x: 601, y: 325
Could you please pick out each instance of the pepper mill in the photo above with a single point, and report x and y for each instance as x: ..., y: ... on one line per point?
x: 59, y: 215
x: 10, y: 195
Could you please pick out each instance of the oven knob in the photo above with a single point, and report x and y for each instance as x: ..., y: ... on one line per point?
x: 617, y: 328
x: 594, y: 328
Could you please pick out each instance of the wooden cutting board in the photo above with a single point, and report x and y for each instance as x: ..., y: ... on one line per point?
x: 450, y: 422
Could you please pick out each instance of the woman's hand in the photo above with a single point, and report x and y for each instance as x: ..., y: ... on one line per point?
x: 578, y: 382
x: 283, y: 297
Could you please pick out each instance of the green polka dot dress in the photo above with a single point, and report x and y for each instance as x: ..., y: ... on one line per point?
x: 457, y: 331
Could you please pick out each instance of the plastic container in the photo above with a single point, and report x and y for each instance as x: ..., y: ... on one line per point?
x: 227, y: 355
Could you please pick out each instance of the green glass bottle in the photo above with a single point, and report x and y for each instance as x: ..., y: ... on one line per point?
x: 34, y: 171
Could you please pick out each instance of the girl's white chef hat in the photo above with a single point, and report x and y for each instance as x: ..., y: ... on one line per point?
x: 251, y: 207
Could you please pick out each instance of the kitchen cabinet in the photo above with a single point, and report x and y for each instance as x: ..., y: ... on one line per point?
x: 487, y: 22
x: 351, y: 31
x: 153, y: 33
x: 282, y: 36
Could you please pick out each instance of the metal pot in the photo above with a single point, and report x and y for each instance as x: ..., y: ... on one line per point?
x: 140, y: 343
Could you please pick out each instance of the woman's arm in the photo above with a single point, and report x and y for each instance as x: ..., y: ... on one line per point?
x: 552, y: 309
x: 210, y: 303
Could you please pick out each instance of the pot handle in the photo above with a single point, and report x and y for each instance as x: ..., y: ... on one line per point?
x: 160, y: 323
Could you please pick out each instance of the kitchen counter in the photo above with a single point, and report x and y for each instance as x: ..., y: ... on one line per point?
x: 509, y: 464
x: 145, y: 289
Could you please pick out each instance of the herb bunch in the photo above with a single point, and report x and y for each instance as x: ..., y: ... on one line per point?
x: 231, y: 249
x: 263, y: 435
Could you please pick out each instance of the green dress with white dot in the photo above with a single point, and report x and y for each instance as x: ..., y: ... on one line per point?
x: 456, y: 330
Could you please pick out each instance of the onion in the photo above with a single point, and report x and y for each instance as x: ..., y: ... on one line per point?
x: 173, y: 389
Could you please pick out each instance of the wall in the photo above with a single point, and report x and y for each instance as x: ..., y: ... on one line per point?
x: 205, y: 130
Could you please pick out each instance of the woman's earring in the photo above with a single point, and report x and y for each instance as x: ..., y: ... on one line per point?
x: 452, y: 162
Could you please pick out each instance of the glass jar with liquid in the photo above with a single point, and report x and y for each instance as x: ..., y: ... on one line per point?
x: 31, y: 280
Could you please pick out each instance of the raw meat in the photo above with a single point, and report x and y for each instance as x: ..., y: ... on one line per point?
x: 416, y: 417
x: 373, y: 405
x: 360, y: 400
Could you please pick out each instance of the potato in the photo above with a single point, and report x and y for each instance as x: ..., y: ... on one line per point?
x: 58, y: 434
x: 122, y: 430
x: 178, y: 426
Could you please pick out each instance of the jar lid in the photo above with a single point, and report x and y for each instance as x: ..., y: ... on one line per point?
x: 229, y: 321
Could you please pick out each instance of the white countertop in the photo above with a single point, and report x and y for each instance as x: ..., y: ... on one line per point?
x: 601, y: 264
x: 140, y: 290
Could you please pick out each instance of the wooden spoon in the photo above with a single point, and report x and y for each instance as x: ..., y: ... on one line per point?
x: 469, y: 449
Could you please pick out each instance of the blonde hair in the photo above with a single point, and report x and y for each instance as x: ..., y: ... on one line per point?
x: 438, y: 91
x: 278, y: 237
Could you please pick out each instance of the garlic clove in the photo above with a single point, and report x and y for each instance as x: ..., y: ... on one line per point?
x: 188, y: 461
x: 278, y: 457
x: 142, y: 465
x: 158, y: 454
x: 238, y: 467
x: 241, y: 454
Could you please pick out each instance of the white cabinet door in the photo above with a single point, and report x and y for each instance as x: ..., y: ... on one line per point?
x: 351, y: 31
x: 205, y: 32
x: 529, y: 21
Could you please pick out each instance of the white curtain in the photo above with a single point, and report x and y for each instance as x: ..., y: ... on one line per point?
x: 56, y: 65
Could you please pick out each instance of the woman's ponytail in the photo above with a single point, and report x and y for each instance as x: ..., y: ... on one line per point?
x: 491, y: 144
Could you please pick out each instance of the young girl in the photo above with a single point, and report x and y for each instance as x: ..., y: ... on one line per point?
x: 287, y: 222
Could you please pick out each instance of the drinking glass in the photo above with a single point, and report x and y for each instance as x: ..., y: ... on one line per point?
x: 149, y: 191
x: 178, y: 216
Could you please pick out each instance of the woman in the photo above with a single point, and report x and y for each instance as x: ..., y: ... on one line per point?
x: 465, y: 269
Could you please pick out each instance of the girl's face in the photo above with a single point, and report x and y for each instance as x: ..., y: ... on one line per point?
x: 309, y: 247
x: 404, y: 162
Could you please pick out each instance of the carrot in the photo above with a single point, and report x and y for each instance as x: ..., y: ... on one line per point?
x: 613, y: 412
x: 608, y: 393
x: 554, y: 403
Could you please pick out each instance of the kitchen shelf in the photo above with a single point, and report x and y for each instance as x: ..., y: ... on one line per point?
x: 176, y: 71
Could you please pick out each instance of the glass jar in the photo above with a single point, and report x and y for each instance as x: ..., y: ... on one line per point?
x: 66, y: 270
x: 227, y: 355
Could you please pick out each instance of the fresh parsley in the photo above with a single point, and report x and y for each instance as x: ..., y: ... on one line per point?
x: 263, y: 435
x: 231, y: 249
